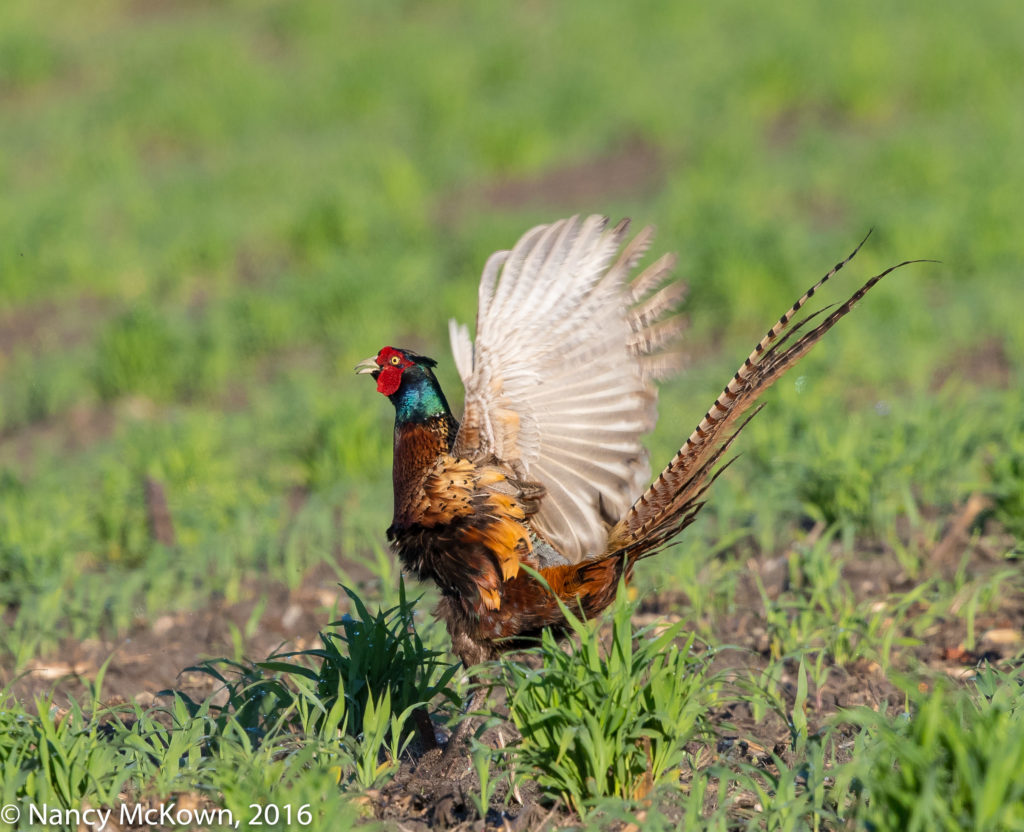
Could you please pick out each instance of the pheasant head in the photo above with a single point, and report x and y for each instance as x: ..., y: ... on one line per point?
x: 407, y: 378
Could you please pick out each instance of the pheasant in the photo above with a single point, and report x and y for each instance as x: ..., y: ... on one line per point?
x: 546, y: 468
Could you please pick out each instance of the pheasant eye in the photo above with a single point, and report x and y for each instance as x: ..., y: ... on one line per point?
x: 396, y: 360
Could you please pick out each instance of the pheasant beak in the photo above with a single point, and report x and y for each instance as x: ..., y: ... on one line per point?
x: 367, y: 366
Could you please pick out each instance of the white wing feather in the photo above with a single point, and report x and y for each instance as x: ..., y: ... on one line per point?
x: 559, y: 381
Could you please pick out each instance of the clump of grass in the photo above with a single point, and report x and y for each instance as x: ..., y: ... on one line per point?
x: 602, y: 722
x: 371, y: 676
x: 953, y: 761
x: 275, y: 728
x: 374, y: 654
x: 57, y: 758
x: 106, y: 757
x: 137, y: 353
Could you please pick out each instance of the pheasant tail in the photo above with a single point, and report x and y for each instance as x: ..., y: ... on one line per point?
x: 674, y: 498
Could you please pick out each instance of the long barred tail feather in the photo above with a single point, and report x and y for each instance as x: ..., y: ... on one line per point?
x: 674, y: 498
x: 662, y: 531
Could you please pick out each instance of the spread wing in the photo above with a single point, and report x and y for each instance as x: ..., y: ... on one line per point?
x: 559, y: 383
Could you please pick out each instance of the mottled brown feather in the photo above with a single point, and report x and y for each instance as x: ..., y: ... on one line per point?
x: 461, y: 524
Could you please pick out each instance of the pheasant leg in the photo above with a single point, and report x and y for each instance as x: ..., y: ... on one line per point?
x: 452, y: 753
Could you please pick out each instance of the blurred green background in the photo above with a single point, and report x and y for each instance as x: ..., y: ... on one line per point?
x: 209, y: 211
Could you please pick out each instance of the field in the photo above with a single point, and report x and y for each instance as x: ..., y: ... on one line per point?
x: 210, y: 211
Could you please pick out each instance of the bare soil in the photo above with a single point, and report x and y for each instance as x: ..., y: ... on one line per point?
x: 635, y: 168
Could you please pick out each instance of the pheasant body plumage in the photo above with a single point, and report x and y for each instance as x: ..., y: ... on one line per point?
x: 464, y: 526
x: 546, y: 469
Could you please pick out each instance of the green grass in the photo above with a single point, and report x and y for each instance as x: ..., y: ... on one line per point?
x: 212, y: 211
x: 292, y: 729
x: 947, y: 764
x: 599, y: 723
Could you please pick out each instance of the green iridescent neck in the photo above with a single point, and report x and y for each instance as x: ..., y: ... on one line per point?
x: 419, y: 398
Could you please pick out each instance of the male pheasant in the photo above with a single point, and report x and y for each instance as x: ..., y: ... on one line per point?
x: 546, y: 468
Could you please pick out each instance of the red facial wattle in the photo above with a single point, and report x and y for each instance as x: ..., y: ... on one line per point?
x: 389, y: 380
x: 391, y: 362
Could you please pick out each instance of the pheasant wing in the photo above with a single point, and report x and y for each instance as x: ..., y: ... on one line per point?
x: 559, y: 382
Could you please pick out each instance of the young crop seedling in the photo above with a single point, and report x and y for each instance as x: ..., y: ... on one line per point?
x: 613, y: 720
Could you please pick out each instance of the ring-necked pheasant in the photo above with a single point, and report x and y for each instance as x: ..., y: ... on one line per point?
x: 546, y: 467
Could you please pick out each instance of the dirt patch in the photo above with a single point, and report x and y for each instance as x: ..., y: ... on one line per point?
x: 635, y: 169
x: 48, y: 325
x: 986, y: 364
x: 70, y: 432
x: 153, y: 655
x: 789, y: 123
